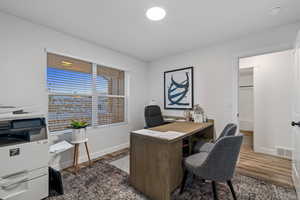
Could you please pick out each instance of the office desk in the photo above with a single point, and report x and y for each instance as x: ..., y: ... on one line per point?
x: 156, y: 163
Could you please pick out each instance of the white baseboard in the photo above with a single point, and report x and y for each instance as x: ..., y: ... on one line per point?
x: 94, y: 155
x: 265, y: 150
x: 270, y: 151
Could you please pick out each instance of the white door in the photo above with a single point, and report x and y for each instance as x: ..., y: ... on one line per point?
x: 296, y: 117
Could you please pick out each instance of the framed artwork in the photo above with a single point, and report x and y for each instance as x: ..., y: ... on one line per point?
x: 179, y: 89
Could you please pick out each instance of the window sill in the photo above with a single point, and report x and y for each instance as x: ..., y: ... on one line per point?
x: 109, y: 125
x: 55, y: 133
x: 69, y: 131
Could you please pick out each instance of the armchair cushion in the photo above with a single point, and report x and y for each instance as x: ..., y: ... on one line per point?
x: 203, y: 146
x: 195, y: 161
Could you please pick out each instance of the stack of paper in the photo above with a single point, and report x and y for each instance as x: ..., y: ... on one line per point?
x: 60, y: 147
x: 169, y: 135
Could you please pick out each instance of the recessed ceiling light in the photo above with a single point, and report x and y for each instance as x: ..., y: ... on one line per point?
x: 66, y: 63
x: 156, y: 13
x: 275, y: 11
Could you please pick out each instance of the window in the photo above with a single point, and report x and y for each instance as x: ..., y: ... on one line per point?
x: 110, y: 93
x: 80, y: 90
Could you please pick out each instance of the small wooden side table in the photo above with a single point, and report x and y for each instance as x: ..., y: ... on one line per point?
x: 76, y: 154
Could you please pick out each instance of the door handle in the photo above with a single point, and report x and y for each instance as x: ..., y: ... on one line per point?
x: 295, y: 123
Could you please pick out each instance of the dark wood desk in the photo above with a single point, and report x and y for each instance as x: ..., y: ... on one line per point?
x: 156, y: 163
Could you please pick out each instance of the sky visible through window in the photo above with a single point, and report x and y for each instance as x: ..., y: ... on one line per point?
x: 73, y: 82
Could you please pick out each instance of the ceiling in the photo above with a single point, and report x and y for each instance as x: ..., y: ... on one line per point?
x: 121, y: 25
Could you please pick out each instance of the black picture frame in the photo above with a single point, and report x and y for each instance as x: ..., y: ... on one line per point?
x: 190, y: 107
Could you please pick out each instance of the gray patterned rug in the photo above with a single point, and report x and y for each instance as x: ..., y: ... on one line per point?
x: 105, y: 182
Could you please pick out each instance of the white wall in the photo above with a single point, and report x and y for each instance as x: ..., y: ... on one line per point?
x: 272, y: 99
x: 216, y: 71
x: 23, y: 76
x: 246, y: 100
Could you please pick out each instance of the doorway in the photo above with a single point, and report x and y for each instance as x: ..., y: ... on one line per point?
x: 265, y: 104
x: 246, y: 104
x: 265, y: 83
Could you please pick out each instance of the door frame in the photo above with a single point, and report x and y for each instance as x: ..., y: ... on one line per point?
x: 295, y: 173
x: 236, y: 72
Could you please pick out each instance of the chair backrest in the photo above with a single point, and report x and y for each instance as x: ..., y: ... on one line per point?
x: 153, y: 116
x: 221, y: 160
x: 229, y: 130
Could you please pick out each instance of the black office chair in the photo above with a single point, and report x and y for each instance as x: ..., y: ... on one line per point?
x: 153, y: 116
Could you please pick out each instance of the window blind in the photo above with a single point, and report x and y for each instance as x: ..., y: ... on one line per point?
x: 113, y: 80
x: 70, y: 91
x: 80, y: 90
x: 64, y: 108
x: 110, y: 93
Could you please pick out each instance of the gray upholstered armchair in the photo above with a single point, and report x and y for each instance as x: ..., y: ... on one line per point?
x: 218, y: 165
x: 202, y: 146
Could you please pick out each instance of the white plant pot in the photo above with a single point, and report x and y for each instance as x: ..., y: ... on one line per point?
x: 78, y: 135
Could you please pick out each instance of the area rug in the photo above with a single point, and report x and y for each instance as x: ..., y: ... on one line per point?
x: 103, y: 181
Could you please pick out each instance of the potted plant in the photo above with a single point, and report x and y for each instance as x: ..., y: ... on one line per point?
x: 79, y: 130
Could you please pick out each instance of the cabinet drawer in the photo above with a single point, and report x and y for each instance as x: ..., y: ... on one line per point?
x: 22, y: 189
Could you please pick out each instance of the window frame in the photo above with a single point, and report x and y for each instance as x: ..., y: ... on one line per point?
x: 94, y: 94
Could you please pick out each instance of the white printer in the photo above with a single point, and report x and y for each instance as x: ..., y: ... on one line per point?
x: 23, y: 157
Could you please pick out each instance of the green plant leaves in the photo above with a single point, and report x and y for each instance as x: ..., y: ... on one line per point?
x: 78, y: 124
